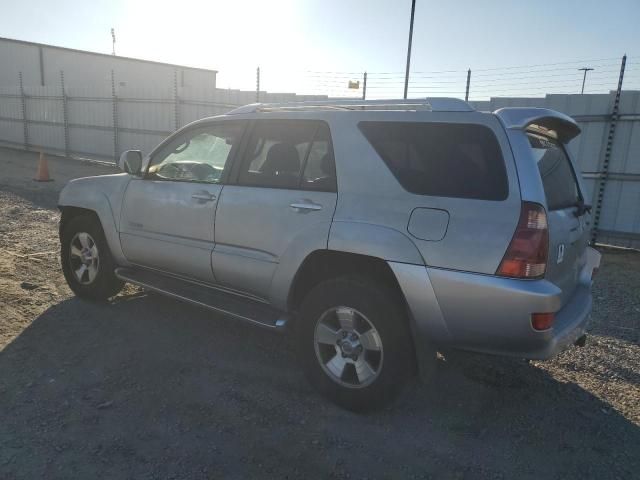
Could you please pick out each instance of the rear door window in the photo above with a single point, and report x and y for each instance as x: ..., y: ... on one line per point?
x: 441, y: 159
x: 558, y: 177
x: 290, y: 155
x: 320, y: 170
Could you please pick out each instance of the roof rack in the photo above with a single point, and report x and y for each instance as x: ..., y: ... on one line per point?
x: 419, y: 104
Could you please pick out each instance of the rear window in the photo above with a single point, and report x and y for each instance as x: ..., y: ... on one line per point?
x: 558, y: 178
x: 441, y: 159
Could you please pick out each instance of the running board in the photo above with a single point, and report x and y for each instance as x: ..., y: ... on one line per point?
x: 226, y: 303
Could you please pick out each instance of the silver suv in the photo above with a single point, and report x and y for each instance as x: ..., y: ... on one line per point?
x: 381, y: 231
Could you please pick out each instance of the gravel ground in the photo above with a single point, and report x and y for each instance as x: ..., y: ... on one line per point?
x: 144, y: 387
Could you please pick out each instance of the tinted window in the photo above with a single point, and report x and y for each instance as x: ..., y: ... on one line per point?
x: 444, y: 160
x: 279, y: 151
x: 320, y: 170
x: 198, y: 155
x: 557, y: 175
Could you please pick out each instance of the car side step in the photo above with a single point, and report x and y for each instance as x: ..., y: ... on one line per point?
x: 229, y: 304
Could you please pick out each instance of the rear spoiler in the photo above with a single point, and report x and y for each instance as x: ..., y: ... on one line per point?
x: 563, y: 126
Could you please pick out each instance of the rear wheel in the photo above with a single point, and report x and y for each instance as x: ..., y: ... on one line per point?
x: 86, y: 260
x: 354, y: 342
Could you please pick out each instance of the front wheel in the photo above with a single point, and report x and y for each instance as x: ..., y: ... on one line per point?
x: 86, y: 260
x: 354, y: 342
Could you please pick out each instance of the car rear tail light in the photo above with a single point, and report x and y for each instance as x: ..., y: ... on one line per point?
x: 527, y: 254
x: 542, y: 321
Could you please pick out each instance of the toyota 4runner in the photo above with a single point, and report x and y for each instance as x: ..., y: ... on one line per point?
x: 380, y: 231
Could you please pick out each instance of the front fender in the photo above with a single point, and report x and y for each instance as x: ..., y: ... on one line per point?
x: 102, y: 195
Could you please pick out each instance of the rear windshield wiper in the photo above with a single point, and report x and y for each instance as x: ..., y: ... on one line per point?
x: 581, y: 208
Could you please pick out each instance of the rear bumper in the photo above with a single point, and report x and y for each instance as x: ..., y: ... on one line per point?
x: 491, y: 314
x: 571, y: 323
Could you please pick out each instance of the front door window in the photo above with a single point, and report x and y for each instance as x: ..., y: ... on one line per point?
x: 200, y: 156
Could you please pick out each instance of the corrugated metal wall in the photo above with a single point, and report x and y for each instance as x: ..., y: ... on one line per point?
x: 100, y: 125
x: 40, y: 65
x: 19, y: 57
x: 620, y: 215
x: 93, y: 122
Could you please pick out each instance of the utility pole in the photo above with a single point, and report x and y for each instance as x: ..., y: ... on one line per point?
x: 584, y: 78
x: 258, y: 85
x: 466, y: 94
x: 113, y: 41
x: 406, y: 76
x: 364, y: 86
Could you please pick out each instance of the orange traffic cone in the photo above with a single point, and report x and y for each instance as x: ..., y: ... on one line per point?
x: 42, y: 175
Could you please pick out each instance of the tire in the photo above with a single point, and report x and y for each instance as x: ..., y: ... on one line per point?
x: 90, y: 252
x: 383, y: 341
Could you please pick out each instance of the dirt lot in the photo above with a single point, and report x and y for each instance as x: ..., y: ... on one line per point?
x: 145, y: 387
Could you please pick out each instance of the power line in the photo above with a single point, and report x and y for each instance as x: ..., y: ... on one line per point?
x: 485, y: 77
x: 496, y: 69
x: 534, y: 79
x: 568, y: 69
x: 547, y: 64
x: 400, y: 73
x: 522, y: 89
x: 507, y: 82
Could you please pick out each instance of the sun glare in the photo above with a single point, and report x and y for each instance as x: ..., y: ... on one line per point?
x: 231, y: 37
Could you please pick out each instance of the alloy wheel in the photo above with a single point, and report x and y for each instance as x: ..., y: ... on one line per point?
x: 348, y: 347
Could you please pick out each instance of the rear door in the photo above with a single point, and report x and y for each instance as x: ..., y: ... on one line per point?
x: 569, y: 221
x: 285, y: 191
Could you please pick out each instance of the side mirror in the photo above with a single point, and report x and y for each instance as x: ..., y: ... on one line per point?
x: 131, y: 162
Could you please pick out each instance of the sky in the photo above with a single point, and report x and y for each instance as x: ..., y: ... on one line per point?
x: 317, y: 46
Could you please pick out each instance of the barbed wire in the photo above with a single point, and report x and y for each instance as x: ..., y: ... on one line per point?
x: 517, y: 80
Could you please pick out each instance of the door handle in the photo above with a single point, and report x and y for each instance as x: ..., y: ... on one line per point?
x: 204, y: 197
x: 305, y: 206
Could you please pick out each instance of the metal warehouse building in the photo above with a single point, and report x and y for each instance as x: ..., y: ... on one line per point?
x: 41, y: 65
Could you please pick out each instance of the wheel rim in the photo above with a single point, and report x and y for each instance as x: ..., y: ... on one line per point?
x: 348, y: 347
x: 84, y: 258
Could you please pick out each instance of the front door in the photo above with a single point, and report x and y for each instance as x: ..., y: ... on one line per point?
x: 168, y: 215
x: 285, y: 188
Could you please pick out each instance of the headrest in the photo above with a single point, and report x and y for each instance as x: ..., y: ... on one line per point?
x: 282, y: 158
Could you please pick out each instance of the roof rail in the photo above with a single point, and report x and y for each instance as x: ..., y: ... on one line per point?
x: 424, y: 104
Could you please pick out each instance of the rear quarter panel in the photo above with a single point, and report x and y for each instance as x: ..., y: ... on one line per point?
x: 478, y: 232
